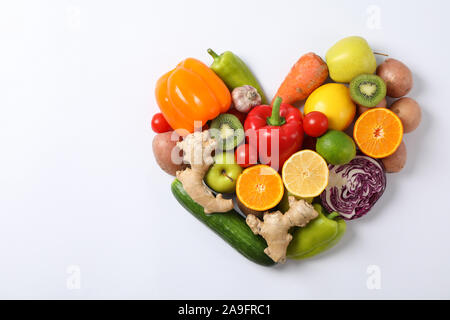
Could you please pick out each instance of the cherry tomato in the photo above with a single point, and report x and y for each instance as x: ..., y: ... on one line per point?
x: 315, y: 124
x: 159, y: 124
x: 246, y: 156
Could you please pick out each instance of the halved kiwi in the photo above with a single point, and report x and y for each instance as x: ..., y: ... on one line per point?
x: 227, y: 129
x: 367, y: 90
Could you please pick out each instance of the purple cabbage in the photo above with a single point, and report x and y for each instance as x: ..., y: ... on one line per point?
x: 354, y: 188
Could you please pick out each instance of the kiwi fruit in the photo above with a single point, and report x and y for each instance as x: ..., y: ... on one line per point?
x: 367, y: 90
x: 227, y: 128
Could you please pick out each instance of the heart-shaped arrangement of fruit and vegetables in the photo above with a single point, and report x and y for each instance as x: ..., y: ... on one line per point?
x: 272, y: 182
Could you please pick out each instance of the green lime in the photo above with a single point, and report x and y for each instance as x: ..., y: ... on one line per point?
x: 336, y: 147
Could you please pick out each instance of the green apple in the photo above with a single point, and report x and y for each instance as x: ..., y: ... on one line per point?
x: 222, y: 175
x: 349, y: 58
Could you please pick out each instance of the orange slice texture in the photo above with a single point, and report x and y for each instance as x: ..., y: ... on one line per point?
x: 378, y: 132
x: 259, y: 188
x: 305, y: 174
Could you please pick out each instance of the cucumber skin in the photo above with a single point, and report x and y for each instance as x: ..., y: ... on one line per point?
x: 230, y: 226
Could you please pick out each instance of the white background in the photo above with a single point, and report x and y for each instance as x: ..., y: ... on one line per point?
x: 79, y: 185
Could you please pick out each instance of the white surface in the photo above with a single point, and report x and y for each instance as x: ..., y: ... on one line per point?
x: 79, y: 184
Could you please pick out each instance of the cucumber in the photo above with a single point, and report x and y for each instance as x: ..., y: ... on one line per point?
x: 230, y: 226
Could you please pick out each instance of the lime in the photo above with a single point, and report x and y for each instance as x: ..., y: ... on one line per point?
x: 336, y: 147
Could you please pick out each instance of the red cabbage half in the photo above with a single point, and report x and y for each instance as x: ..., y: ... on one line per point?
x: 353, y: 188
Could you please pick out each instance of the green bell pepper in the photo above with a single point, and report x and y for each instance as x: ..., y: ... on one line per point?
x: 319, y: 235
x: 234, y: 72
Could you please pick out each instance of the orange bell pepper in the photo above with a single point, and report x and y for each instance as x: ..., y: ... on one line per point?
x: 191, y: 92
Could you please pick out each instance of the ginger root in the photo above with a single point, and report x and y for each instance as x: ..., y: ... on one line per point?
x: 197, y: 148
x: 275, y: 228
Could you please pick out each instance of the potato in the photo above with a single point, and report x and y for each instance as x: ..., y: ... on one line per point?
x: 408, y: 110
x: 397, y: 76
x: 396, y: 161
x: 167, y: 154
x: 382, y: 104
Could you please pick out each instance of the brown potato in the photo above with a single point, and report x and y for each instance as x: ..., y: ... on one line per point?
x: 397, y: 76
x: 396, y: 161
x: 362, y: 109
x: 408, y: 110
x: 167, y: 154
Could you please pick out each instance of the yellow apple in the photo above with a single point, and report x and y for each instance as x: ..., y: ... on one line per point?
x: 349, y: 58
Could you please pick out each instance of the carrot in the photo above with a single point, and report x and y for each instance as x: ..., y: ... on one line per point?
x: 307, y: 74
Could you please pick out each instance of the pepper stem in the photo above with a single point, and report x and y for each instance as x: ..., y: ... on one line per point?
x: 213, y: 54
x: 333, y: 215
x: 275, y: 119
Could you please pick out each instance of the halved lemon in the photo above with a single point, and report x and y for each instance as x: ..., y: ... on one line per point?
x: 305, y: 174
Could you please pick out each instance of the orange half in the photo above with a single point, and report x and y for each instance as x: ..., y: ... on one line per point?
x: 259, y: 188
x: 378, y: 132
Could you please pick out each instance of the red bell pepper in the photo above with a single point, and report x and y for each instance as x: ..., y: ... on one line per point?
x: 281, y: 122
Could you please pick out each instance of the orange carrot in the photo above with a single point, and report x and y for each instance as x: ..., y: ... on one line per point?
x: 307, y: 74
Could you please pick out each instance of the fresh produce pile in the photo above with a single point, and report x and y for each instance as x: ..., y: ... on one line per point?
x: 271, y: 180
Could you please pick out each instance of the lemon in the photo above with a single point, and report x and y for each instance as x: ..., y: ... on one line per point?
x: 305, y: 174
x: 333, y: 100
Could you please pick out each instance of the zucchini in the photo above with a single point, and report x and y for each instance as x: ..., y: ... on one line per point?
x: 230, y: 226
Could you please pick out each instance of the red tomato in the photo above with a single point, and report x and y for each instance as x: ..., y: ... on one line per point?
x: 246, y: 156
x: 159, y: 124
x: 315, y: 124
